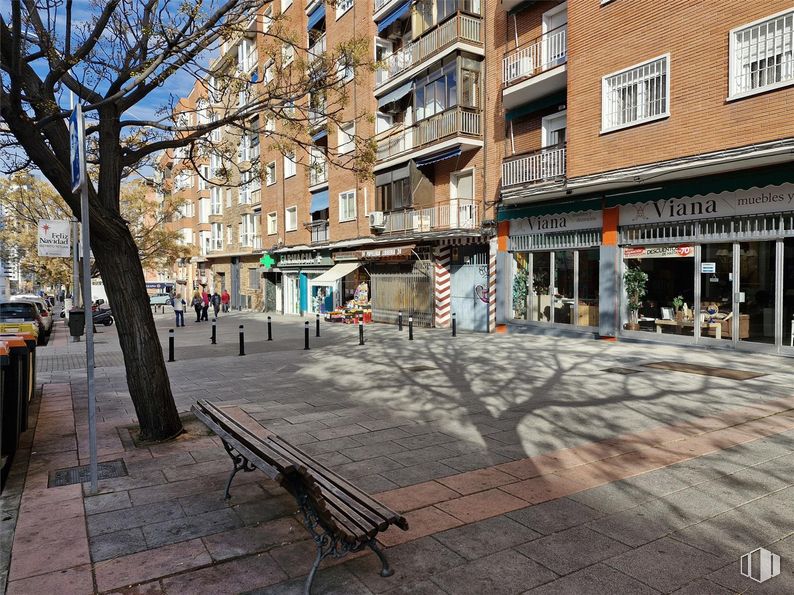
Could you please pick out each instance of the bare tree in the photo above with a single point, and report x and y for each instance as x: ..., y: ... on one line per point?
x: 113, y: 59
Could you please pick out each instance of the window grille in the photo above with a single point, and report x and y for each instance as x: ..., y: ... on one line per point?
x: 636, y: 95
x: 762, y: 55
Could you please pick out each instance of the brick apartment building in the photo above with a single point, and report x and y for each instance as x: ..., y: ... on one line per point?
x: 528, y: 155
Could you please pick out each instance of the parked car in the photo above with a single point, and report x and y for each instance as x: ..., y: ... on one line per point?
x: 161, y: 299
x: 45, y: 311
x: 15, y: 316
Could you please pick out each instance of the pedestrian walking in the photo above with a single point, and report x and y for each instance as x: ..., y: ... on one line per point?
x: 205, y: 304
x: 179, y: 309
x: 225, y: 299
x: 215, y: 300
x: 196, y: 303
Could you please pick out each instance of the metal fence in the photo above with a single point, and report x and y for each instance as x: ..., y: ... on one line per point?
x: 411, y: 293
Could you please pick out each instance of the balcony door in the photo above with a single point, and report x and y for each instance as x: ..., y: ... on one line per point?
x: 383, y: 51
x: 553, y: 46
x: 552, y: 160
x: 461, y: 200
x: 554, y: 129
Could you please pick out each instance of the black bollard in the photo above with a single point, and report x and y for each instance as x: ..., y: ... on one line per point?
x: 400, y: 320
x: 361, y: 330
x: 454, y: 326
x: 171, y: 345
x: 317, y: 329
x: 410, y: 328
x: 306, y: 335
x: 269, y: 329
x: 213, y: 337
x: 242, y: 340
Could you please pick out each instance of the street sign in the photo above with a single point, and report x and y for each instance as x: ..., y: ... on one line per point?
x: 54, y: 238
x: 77, y: 148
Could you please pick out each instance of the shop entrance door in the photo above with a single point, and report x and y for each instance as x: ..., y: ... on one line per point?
x: 755, y: 298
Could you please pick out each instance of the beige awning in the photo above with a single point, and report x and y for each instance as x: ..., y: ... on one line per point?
x: 335, y: 273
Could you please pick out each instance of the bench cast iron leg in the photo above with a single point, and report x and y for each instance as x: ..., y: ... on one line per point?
x: 307, y: 587
x: 240, y: 464
x: 385, y: 568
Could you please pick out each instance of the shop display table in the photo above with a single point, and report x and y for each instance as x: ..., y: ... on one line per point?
x: 682, y: 324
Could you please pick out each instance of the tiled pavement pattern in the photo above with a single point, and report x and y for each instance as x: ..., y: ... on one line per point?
x: 511, y: 525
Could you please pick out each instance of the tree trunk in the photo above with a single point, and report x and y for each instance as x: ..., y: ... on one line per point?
x: 147, y: 377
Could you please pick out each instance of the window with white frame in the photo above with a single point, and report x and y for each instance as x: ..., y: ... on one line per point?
x: 285, y: 4
x: 344, y: 69
x: 244, y: 191
x: 345, y: 134
x: 270, y: 73
x: 216, y: 200
x: 342, y: 6
x: 246, y: 54
x: 216, y: 165
x: 205, y: 174
x: 287, y: 54
x: 347, y: 205
x: 204, y: 210
x: 289, y: 165
x: 270, y: 173
x: 267, y: 19
x: 291, y: 219
x: 182, y: 180
x: 228, y: 198
x: 270, y: 125
x: 636, y: 95
x: 761, y: 55
x: 228, y: 234
x: 247, y: 230
x: 216, y: 241
x: 272, y: 223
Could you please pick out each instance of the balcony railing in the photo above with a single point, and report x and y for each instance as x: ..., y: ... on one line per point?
x: 381, y: 3
x: 317, y: 50
x: 459, y: 214
x: 318, y: 173
x: 461, y: 27
x: 452, y: 122
x: 317, y: 115
x: 318, y: 231
x: 537, y: 56
x: 541, y: 166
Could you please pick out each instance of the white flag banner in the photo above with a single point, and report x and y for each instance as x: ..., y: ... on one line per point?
x: 54, y: 238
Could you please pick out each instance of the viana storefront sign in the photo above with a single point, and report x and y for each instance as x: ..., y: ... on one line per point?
x: 756, y: 201
x: 556, y: 223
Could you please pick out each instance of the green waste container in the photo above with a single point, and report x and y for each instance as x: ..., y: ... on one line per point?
x: 16, y: 381
x: 30, y: 375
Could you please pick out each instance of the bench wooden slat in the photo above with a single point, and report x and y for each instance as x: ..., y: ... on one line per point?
x: 387, y: 515
x: 344, y: 506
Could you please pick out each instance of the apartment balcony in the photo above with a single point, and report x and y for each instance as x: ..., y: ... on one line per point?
x: 536, y: 69
x: 318, y: 231
x: 383, y: 7
x: 460, y: 214
x: 317, y: 50
x: 317, y: 116
x: 461, y: 31
x: 456, y: 126
x: 318, y: 173
x: 546, y: 165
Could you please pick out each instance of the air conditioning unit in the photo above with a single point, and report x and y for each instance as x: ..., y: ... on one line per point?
x: 377, y: 220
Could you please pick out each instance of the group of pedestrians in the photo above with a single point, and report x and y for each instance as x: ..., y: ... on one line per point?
x: 201, y: 302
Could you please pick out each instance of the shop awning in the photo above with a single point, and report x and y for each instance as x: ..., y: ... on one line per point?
x: 335, y: 273
x: 438, y: 157
x: 317, y: 15
x: 319, y: 201
x: 395, y: 95
x: 399, y: 12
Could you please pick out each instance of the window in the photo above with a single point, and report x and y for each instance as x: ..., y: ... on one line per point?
x: 342, y: 6
x: 344, y: 69
x: 267, y: 19
x: 394, y: 195
x: 270, y: 73
x: 439, y: 90
x: 289, y: 165
x: 761, y: 55
x: 228, y: 234
x: 253, y: 278
x: 270, y: 173
x: 636, y: 95
x: 270, y: 125
x: 285, y: 4
x: 204, y: 210
x: 216, y: 165
x: 272, y: 224
x: 205, y: 174
x: 216, y: 238
x: 246, y: 54
x: 347, y: 205
x: 228, y: 198
x: 216, y: 200
x: 247, y: 230
x: 291, y: 219
x: 287, y: 54
x: 345, y: 134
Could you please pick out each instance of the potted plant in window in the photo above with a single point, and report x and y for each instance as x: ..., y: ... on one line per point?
x: 634, y: 282
x: 540, y: 287
x: 520, y: 291
x: 678, y: 304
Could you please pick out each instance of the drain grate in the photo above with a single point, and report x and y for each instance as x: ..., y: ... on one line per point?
x: 623, y: 371
x: 420, y: 368
x: 72, y: 475
x: 705, y: 370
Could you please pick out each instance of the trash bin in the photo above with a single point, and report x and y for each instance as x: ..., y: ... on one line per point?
x: 30, y: 381
x: 15, y: 392
x: 5, y: 461
x: 76, y: 322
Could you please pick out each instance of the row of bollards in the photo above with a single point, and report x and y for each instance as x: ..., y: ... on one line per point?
x: 214, y: 336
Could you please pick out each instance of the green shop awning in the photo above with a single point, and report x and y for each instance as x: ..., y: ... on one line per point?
x: 572, y: 205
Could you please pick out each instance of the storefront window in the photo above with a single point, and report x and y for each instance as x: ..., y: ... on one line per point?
x: 588, y: 288
x: 757, y: 291
x: 520, y: 285
x: 563, y: 286
x: 540, y: 301
x: 788, y: 292
x: 716, y: 291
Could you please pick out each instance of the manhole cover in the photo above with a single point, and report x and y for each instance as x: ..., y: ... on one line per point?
x: 420, y: 368
x: 624, y: 371
x: 72, y: 475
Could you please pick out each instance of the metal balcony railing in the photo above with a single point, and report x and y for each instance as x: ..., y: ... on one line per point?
x: 381, y: 3
x: 318, y: 172
x: 318, y: 231
x: 460, y: 27
x: 541, y: 166
x: 457, y: 214
x: 452, y: 122
x: 539, y: 55
x: 317, y: 50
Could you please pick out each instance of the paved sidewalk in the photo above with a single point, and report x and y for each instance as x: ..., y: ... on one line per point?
x: 520, y: 463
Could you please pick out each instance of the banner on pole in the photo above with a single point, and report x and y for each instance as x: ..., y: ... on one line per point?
x: 54, y: 238
x: 76, y: 147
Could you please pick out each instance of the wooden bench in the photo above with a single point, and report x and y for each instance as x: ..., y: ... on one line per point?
x: 340, y: 517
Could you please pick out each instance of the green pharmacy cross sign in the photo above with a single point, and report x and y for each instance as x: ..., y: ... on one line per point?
x: 267, y: 261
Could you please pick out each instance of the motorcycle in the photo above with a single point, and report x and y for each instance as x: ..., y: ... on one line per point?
x: 102, y: 316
